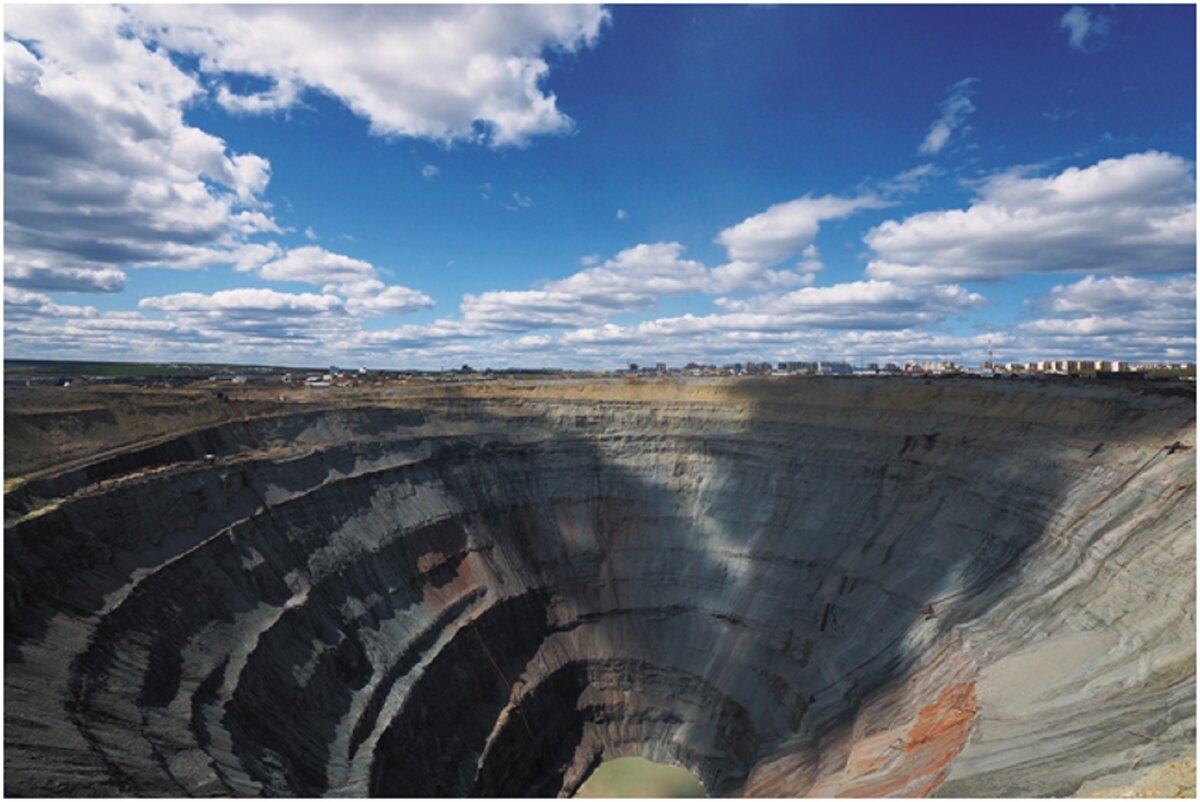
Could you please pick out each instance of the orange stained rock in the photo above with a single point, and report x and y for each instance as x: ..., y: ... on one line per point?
x: 461, y: 583
x: 939, y: 733
x: 909, y: 758
x: 946, y: 717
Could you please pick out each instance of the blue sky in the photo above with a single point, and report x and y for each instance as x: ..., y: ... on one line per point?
x: 585, y: 186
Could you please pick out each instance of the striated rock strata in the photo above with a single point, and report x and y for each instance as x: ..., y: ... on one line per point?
x: 821, y: 587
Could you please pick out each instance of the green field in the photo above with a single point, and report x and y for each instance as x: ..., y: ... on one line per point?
x: 52, y: 367
x: 627, y: 777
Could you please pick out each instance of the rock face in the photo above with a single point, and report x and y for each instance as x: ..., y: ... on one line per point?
x: 824, y: 587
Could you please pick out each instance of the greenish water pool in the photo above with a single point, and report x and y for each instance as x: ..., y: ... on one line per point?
x: 626, y: 777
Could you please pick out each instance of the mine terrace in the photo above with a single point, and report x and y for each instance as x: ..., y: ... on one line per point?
x: 788, y: 586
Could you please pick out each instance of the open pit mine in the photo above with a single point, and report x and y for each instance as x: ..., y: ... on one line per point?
x: 792, y: 587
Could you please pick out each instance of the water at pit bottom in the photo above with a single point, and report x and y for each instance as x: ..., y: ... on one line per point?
x: 626, y: 777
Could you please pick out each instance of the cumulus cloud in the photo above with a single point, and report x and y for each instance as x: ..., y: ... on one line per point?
x: 1135, y: 214
x: 630, y: 281
x: 446, y: 73
x: 1121, y: 316
x: 20, y: 303
x: 725, y: 339
x: 243, y: 300
x: 315, y: 265
x: 1139, y: 338
x: 643, y: 271
x: 443, y: 332
x: 234, y: 325
x: 373, y: 297
x: 787, y: 228
x: 738, y: 275
x: 1086, y: 32
x: 19, y: 272
x: 258, y: 323
x: 429, y: 172
x: 230, y: 325
x: 955, y: 109
x: 806, y: 315
x: 111, y: 335
x: 857, y: 304
x: 354, y: 279
x: 712, y: 339
x: 257, y: 316
x: 521, y: 310
x: 101, y: 171
x: 1121, y: 295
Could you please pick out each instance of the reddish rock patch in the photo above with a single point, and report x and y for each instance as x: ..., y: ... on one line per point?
x: 932, y: 742
x: 900, y: 744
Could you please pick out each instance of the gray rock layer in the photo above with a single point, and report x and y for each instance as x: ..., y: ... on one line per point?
x: 833, y: 586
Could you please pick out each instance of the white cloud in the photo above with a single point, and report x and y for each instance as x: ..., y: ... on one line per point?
x: 643, y: 270
x: 24, y: 304
x: 252, y: 255
x: 340, y: 275
x: 720, y: 339
x: 248, y: 318
x: 811, y: 260
x: 429, y: 172
x: 431, y: 340
x: 910, y: 181
x: 857, y: 304
x: 115, y: 335
x: 521, y: 310
x: 313, y: 264
x: 1121, y: 295
x: 1086, y: 32
x: 813, y: 315
x: 737, y: 275
x: 955, y: 109
x: 1135, y: 214
x: 622, y: 214
x: 243, y: 300
x: 787, y: 228
x: 373, y: 297
x: 628, y: 282
x: 280, y: 96
x: 634, y: 279
x: 1142, y: 337
x: 101, y: 171
x: 310, y: 234
x: 445, y: 73
x: 20, y: 273
x: 1115, y: 316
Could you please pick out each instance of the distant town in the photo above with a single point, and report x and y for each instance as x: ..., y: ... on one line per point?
x: 63, y: 373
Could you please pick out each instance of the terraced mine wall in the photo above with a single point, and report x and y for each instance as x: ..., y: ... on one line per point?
x: 824, y: 587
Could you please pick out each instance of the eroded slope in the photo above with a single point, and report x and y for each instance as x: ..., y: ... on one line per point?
x: 822, y: 587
